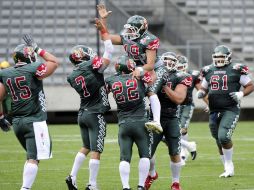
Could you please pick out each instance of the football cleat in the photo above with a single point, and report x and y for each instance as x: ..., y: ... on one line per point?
x: 71, y: 183
x: 229, y: 170
x: 126, y: 189
x: 90, y: 187
x: 175, y: 186
x: 150, y: 180
x: 154, y: 126
x: 140, y: 188
x: 193, y: 150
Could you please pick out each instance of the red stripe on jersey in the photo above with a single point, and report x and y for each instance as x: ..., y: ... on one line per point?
x: 187, y: 81
x: 41, y: 70
x: 97, y: 62
x: 153, y: 45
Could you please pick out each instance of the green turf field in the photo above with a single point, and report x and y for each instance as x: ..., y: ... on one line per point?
x: 196, y: 175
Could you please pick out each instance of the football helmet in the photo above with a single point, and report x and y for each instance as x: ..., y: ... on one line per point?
x: 182, y: 64
x: 136, y: 26
x: 24, y: 53
x: 124, y: 64
x: 221, y: 56
x: 169, y: 59
x: 81, y: 53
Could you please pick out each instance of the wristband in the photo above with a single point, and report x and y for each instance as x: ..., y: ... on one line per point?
x: 1, y: 115
x: 41, y: 52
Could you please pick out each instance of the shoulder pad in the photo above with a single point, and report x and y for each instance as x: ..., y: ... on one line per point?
x: 244, y: 69
x: 150, y: 41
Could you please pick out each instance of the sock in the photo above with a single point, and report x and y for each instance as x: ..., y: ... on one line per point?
x: 185, y: 137
x: 184, y: 143
x: 228, y: 153
x: 143, y: 169
x: 155, y: 107
x: 175, y: 171
x: 94, y: 168
x: 79, y: 159
x: 29, y: 175
x: 222, y: 160
x: 124, y: 169
x: 152, y: 170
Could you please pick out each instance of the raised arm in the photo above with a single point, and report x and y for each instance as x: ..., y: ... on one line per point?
x: 51, y: 61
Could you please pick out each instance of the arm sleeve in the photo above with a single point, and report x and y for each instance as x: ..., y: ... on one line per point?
x: 245, y: 79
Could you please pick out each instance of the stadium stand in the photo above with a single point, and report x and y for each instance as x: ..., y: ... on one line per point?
x: 190, y: 27
x: 230, y: 22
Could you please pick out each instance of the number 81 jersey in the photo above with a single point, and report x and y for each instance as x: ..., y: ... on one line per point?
x: 222, y: 81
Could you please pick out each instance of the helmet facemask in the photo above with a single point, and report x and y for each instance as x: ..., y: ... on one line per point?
x: 170, y: 61
x: 220, y: 60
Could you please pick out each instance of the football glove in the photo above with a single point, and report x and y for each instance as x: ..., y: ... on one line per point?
x: 30, y: 42
x: 237, y: 96
x: 5, y: 124
x: 201, y: 94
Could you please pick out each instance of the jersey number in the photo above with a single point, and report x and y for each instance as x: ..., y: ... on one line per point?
x: 215, y: 85
x: 132, y: 93
x: 133, y: 52
x: 25, y: 91
x: 81, y: 80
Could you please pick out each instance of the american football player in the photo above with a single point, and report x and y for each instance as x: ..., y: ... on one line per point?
x: 222, y: 81
x: 187, y: 108
x: 129, y: 94
x: 24, y: 83
x: 88, y: 81
x: 171, y: 88
x: 141, y: 46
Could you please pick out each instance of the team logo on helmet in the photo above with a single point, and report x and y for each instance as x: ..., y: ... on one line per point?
x: 81, y: 53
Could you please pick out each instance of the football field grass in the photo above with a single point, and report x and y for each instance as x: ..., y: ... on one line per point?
x: 200, y: 174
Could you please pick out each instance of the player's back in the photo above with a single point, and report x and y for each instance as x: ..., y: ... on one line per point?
x: 89, y: 84
x: 129, y: 94
x: 28, y: 99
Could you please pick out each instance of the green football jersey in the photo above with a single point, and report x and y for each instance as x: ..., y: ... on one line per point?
x: 195, y: 79
x: 26, y: 90
x: 90, y: 86
x: 129, y: 95
x: 137, y: 49
x: 222, y: 81
x: 171, y: 79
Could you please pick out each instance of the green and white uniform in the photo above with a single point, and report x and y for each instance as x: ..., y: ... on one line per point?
x: 136, y: 49
x: 28, y: 105
x: 187, y: 107
x: 129, y: 95
x: 169, y: 120
x: 89, y: 84
x: 224, y: 110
